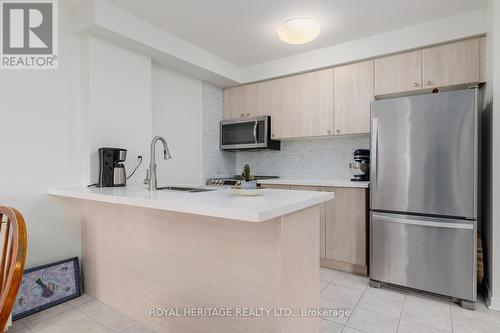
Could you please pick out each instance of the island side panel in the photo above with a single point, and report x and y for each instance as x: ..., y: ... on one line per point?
x: 136, y: 258
x: 300, y: 273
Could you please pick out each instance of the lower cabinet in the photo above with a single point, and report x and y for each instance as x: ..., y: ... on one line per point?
x: 346, y: 230
x: 343, y: 229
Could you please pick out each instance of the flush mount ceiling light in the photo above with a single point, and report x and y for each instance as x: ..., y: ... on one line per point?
x: 298, y: 30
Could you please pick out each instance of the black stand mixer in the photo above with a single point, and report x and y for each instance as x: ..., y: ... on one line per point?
x: 360, y: 169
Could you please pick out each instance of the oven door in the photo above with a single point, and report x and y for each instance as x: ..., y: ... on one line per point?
x: 251, y: 133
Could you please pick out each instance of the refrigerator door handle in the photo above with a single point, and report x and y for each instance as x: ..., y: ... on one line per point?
x: 424, y: 223
x: 374, y: 153
x: 255, y: 132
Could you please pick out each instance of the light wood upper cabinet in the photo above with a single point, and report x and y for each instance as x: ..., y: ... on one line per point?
x: 451, y: 64
x: 285, y: 107
x: 398, y: 73
x: 247, y: 101
x: 316, y: 103
x: 235, y: 99
x: 258, y: 100
x: 336, y: 101
x: 346, y: 226
x: 353, y: 93
x: 322, y: 235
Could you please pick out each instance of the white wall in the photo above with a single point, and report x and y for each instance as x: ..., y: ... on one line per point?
x: 496, y: 156
x: 117, y: 105
x: 491, y: 157
x: 39, y: 147
x: 54, y: 120
x: 176, y: 115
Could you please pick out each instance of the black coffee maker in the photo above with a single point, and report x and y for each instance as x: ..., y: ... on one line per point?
x: 111, y: 170
x: 360, y: 168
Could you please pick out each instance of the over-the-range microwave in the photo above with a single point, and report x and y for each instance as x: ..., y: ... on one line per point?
x: 247, y: 134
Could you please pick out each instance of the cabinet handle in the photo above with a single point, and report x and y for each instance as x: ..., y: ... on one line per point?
x: 415, y: 84
x: 329, y: 131
x: 248, y: 114
x: 273, y: 135
x: 337, y: 130
x: 428, y: 83
x: 242, y: 115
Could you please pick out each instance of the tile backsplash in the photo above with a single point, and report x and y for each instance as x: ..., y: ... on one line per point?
x: 319, y: 158
x: 215, y: 163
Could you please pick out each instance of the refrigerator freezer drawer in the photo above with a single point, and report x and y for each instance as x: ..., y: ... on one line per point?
x: 431, y: 254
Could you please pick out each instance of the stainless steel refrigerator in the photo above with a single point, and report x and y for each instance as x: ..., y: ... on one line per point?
x: 424, y: 193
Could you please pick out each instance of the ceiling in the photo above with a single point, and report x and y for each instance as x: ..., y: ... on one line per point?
x: 244, y: 32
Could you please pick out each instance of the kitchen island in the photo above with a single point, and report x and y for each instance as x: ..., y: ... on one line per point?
x: 203, y: 262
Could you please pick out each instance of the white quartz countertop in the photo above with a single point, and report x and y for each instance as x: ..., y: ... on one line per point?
x: 219, y: 203
x: 315, y: 182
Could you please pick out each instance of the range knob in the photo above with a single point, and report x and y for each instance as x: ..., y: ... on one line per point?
x: 212, y: 181
x: 220, y: 182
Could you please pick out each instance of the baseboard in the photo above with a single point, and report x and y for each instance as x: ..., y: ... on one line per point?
x: 493, y: 303
x: 344, y: 266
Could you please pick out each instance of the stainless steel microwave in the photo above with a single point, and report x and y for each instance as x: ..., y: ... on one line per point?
x: 247, y: 134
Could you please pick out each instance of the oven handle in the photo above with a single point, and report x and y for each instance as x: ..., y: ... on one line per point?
x: 255, y: 132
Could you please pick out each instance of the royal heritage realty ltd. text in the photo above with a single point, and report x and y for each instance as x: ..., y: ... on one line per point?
x: 250, y: 312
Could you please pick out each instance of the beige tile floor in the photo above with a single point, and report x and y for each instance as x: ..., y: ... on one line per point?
x: 360, y: 309
x: 80, y: 315
x: 391, y: 311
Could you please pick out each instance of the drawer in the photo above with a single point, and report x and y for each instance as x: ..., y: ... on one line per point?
x: 435, y: 255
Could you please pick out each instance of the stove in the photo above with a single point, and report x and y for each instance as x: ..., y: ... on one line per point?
x: 235, y: 180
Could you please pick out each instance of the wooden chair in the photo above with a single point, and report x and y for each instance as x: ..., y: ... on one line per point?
x: 13, y: 255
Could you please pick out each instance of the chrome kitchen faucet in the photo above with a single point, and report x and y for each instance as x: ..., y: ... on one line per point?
x: 151, y: 173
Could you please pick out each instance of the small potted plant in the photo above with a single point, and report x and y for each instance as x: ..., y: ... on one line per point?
x: 248, y: 181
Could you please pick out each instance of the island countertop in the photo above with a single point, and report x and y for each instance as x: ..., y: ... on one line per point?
x: 218, y: 203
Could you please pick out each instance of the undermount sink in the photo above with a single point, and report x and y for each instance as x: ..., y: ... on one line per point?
x: 185, y: 189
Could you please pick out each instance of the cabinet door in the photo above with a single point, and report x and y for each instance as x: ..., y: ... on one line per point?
x: 285, y: 107
x: 353, y: 92
x: 322, y: 235
x: 398, y: 73
x: 235, y: 102
x: 316, y: 103
x: 451, y: 64
x: 346, y: 226
x: 258, y: 101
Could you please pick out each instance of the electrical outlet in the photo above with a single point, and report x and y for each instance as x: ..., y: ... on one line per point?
x: 295, y: 160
